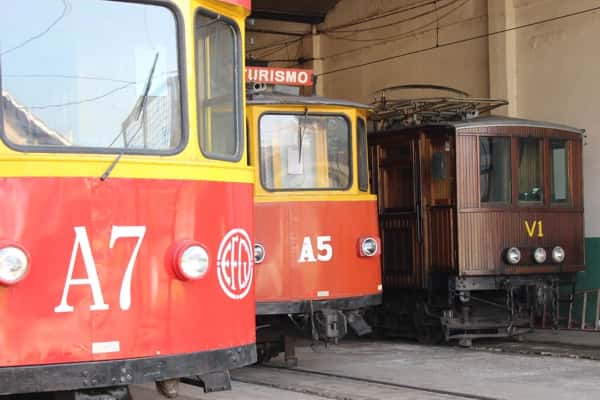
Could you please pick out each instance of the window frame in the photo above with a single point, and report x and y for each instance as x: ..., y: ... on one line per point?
x: 542, y: 151
x: 183, y: 94
x: 568, y: 173
x: 363, y: 186
x: 497, y: 204
x: 238, y: 104
x: 318, y: 114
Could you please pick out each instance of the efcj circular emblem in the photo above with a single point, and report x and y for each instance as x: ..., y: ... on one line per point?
x: 235, y: 263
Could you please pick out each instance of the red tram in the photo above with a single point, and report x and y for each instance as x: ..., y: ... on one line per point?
x: 317, y: 243
x: 126, y: 224
x: 481, y: 218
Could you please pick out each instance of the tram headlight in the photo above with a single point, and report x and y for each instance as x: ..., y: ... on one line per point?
x: 539, y: 255
x: 368, y: 247
x: 558, y: 254
x: 192, y: 262
x: 259, y: 253
x: 513, y: 255
x: 14, y: 265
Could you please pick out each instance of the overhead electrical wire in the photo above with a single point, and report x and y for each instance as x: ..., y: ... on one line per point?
x: 420, y: 29
x: 66, y: 9
x: 460, y: 41
x: 354, y: 23
x: 386, y: 14
x: 389, y: 24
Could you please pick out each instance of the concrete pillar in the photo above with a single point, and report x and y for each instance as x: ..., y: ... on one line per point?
x: 317, y: 64
x: 503, y: 55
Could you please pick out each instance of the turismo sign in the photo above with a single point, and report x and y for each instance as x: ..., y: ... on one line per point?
x: 280, y: 76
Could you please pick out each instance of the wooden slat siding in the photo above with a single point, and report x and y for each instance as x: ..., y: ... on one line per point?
x: 485, y: 235
x: 467, y: 170
x: 441, y: 220
x: 398, y: 270
x: 484, y: 232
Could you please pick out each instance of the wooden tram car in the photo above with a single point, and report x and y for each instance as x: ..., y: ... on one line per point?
x: 126, y: 222
x: 317, y: 243
x: 481, y: 221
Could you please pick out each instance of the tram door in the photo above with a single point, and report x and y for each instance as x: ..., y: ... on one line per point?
x: 397, y: 176
x: 415, y: 183
x: 438, y: 183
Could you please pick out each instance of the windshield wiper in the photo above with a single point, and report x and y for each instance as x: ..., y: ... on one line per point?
x: 301, y: 129
x: 141, y: 106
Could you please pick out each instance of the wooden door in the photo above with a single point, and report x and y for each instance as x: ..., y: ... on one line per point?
x: 438, y: 197
x: 399, y: 202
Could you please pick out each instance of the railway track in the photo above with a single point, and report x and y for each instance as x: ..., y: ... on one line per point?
x: 342, y: 387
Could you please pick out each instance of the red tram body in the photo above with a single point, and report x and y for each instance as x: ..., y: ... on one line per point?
x: 313, y: 213
x: 124, y: 260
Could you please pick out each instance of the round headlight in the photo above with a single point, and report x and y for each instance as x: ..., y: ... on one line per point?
x: 513, y: 255
x: 368, y: 247
x: 259, y: 253
x: 14, y: 265
x: 193, y: 262
x: 539, y: 255
x: 558, y: 254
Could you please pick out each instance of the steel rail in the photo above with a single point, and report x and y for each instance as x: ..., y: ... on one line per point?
x: 358, y: 379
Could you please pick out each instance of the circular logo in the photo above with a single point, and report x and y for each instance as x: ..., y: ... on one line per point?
x: 235, y: 263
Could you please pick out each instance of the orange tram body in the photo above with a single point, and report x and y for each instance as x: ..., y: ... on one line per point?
x: 317, y: 242
x: 126, y: 227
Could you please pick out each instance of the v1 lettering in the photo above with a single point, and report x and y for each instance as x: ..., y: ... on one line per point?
x: 530, y: 229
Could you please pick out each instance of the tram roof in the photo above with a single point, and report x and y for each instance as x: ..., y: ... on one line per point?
x: 304, y: 100
x: 491, y: 121
x: 484, y: 122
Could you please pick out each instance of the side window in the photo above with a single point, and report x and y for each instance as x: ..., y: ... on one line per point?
x: 494, y: 169
x: 363, y: 172
x: 560, y: 171
x: 219, y: 87
x: 530, y: 171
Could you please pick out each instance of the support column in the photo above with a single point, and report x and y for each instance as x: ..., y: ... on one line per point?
x: 503, y: 54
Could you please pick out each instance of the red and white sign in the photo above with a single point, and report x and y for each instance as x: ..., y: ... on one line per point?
x: 235, y: 262
x: 280, y: 76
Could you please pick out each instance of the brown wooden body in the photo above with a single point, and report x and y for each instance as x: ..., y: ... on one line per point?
x: 440, y: 228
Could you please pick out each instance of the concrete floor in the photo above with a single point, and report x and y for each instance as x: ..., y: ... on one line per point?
x: 453, y: 369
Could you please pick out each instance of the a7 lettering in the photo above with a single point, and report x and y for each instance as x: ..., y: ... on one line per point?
x: 82, y: 244
x: 324, y: 250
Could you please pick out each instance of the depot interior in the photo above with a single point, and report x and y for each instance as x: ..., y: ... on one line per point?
x: 540, y: 55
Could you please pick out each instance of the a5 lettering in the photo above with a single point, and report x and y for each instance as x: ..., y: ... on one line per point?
x: 324, y: 250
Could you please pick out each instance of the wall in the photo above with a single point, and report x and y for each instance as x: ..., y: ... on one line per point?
x: 526, y: 51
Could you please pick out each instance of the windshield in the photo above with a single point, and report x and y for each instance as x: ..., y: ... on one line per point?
x: 300, y: 152
x: 89, y: 75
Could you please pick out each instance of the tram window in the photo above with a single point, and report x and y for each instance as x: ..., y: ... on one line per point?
x: 363, y: 172
x: 302, y: 152
x: 494, y: 169
x: 530, y: 171
x: 71, y: 85
x: 219, y: 87
x: 438, y: 166
x: 560, y: 175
